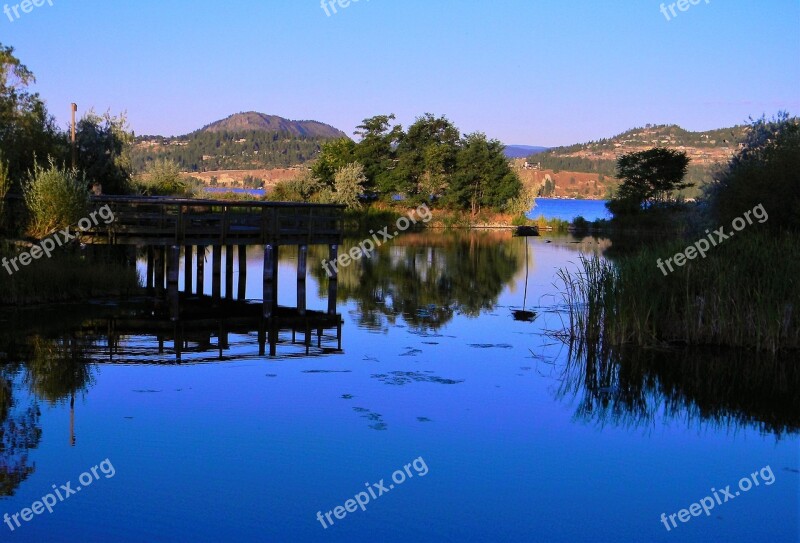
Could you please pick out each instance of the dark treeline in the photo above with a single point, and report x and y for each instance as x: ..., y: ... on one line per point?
x: 226, y: 150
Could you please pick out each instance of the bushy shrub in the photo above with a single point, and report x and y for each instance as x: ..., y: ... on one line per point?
x: 163, y: 178
x: 55, y: 198
x: 580, y: 224
x: 524, y: 203
x: 300, y: 189
x: 349, y: 184
x: 765, y: 171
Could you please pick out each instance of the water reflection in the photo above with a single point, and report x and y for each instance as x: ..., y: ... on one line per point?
x: 421, y: 281
x: 428, y: 278
x: 724, y: 389
x: 19, y: 430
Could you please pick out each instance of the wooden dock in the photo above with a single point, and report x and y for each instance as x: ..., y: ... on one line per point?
x: 170, y: 228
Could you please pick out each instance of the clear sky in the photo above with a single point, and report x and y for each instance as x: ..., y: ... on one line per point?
x: 536, y: 72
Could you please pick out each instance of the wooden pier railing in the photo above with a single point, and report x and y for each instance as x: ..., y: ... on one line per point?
x: 174, y: 221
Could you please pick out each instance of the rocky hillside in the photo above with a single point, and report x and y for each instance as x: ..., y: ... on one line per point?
x: 587, y: 169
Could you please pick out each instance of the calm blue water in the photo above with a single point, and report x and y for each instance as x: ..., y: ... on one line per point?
x: 567, y: 210
x: 517, y: 443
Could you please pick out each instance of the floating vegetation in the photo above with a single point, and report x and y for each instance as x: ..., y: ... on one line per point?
x: 411, y: 352
x: 406, y: 377
x: 375, y: 418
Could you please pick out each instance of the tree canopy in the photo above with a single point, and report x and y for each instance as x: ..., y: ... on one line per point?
x: 430, y: 162
x: 648, y: 178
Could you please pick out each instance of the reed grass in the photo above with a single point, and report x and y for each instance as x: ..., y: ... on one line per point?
x: 745, y: 293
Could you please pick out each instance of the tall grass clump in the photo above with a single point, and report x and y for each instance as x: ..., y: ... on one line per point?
x: 55, y: 198
x: 745, y: 293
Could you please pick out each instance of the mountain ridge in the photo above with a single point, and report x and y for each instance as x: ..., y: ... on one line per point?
x: 254, y: 121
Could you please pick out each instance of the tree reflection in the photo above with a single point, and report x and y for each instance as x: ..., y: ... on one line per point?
x: 19, y: 432
x: 427, y: 278
x: 59, y: 368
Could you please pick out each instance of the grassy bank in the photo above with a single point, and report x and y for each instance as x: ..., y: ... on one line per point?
x: 66, y: 276
x: 745, y: 293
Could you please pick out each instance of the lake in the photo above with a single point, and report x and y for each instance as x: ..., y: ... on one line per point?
x: 567, y: 210
x: 443, y: 415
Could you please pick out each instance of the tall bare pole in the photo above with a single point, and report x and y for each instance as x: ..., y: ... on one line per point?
x: 74, y: 108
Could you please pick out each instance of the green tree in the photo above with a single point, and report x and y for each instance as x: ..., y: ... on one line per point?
x: 648, y: 178
x: 375, y: 151
x: 483, y: 177
x: 103, y: 144
x: 426, y: 156
x: 27, y: 131
x: 335, y: 155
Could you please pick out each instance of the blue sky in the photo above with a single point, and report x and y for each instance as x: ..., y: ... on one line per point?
x: 524, y: 71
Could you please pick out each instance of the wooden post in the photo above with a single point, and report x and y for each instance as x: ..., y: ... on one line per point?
x: 229, y: 272
x: 333, y: 278
x: 173, y: 271
x: 242, y: 272
x: 149, y: 282
x: 262, y: 337
x: 178, y: 341
x: 216, y: 272
x: 158, y: 276
x: 201, y: 264
x: 273, y: 338
x: 73, y: 109
x: 187, y: 269
x: 302, y: 260
x: 270, y: 290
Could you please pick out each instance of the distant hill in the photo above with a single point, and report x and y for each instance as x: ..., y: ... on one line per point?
x: 522, y: 151
x: 704, y: 149
x: 253, y: 121
x: 244, y: 141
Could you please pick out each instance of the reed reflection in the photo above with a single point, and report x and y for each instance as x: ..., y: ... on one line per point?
x: 728, y: 389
